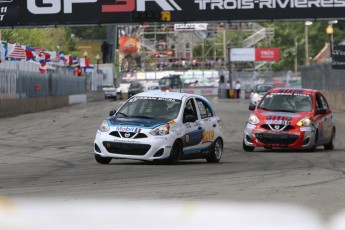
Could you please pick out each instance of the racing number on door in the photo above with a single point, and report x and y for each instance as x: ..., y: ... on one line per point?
x: 120, y: 6
x: 208, y: 136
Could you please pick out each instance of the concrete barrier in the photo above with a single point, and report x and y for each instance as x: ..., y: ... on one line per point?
x: 13, y: 107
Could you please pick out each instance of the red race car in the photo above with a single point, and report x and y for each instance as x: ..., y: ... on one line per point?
x: 290, y: 118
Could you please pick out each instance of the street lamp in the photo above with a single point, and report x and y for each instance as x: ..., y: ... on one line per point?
x: 98, y: 58
x: 306, y: 24
x: 330, y: 31
x: 85, y: 54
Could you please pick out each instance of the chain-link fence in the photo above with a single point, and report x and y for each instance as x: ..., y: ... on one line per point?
x: 15, y: 83
x: 323, y: 77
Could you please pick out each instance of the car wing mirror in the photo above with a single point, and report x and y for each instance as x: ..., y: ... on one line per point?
x: 251, y: 107
x: 112, y: 112
x: 321, y: 111
x: 190, y: 118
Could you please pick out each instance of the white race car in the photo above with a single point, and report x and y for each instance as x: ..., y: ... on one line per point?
x: 166, y: 126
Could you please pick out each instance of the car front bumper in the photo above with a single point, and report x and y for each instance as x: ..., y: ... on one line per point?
x: 147, y: 149
x: 295, y: 138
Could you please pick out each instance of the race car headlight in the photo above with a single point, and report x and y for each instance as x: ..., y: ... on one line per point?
x: 304, y: 122
x: 253, y: 119
x: 104, y: 127
x: 160, y: 130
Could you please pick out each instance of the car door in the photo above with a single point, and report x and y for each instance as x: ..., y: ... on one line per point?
x: 325, y: 120
x: 208, y: 123
x: 193, y: 131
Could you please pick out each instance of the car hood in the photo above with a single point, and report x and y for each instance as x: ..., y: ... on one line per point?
x: 266, y: 117
x: 139, y: 122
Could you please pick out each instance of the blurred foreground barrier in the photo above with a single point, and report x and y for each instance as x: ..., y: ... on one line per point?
x: 153, y: 215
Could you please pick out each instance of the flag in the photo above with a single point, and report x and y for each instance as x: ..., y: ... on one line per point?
x: 84, y: 62
x: 18, y: 53
x: 54, y: 57
x: 3, y: 51
x: 39, y: 51
x: 43, y: 67
x: 46, y: 56
x: 30, y: 53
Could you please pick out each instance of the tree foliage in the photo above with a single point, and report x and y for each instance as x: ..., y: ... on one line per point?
x: 58, y: 39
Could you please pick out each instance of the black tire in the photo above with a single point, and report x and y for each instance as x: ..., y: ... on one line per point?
x: 115, y: 98
x: 247, y: 148
x: 216, y: 152
x: 102, y: 160
x: 268, y: 148
x: 176, y: 152
x: 330, y: 144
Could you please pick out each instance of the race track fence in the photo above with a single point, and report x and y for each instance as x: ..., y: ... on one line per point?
x: 328, y: 80
x: 27, y: 91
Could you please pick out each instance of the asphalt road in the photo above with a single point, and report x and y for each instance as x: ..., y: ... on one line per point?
x: 50, y: 155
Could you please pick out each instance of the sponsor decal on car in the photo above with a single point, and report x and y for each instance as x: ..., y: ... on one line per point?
x: 277, y: 122
x: 208, y: 136
x: 127, y: 129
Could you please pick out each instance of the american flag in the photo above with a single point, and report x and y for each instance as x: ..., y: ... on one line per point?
x: 17, y: 53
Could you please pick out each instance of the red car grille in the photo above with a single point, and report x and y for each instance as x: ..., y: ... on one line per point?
x: 276, y: 138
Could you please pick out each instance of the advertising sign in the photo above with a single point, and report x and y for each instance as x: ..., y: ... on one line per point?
x: 69, y: 12
x: 190, y: 27
x: 242, y: 54
x: 338, y: 56
x: 254, y: 54
x: 267, y: 54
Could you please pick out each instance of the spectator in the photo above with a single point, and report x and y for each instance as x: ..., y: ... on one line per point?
x: 238, y: 89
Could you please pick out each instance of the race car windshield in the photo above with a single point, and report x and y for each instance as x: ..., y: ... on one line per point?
x: 263, y: 88
x: 287, y: 102
x: 151, y: 108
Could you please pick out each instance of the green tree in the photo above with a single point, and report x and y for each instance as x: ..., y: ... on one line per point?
x: 58, y: 39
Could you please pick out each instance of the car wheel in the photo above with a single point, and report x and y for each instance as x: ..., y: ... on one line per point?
x: 247, y: 148
x: 175, y: 153
x: 102, y: 160
x: 267, y: 147
x: 216, y: 152
x: 115, y: 98
x: 330, y: 144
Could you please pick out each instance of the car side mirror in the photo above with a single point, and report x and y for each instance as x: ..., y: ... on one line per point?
x: 251, y: 107
x: 321, y: 111
x: 112, y: 112
x: 190, y: 118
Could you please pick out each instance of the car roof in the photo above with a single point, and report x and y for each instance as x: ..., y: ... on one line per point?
x: 293, y: 90
x: 268, y: 84
x: 173, y: 95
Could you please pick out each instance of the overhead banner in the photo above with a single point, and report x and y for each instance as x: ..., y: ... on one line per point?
x: 254, y: 54
x: 190, y: 27
x: 338, y: 56
x: 69, y: 12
